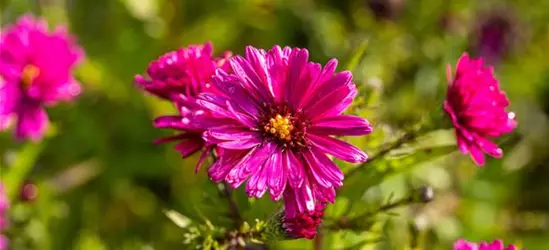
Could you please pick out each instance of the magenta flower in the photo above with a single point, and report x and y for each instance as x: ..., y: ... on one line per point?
x: 4, y: 205
x: 495, y: 245
x: 35, y: 71
x: 180, y: 76
x: 476, y: 107
x: 274, y: 122
x: 304, y: 225
x: 186, y: 71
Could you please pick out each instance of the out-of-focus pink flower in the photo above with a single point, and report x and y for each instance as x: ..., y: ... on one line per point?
x: 274, y: 121
x: 495, y: 245
x: 179, y: 76
x: 304, y: 225
x: 35, y: 71
x: 4, y: 205
x: 476, y: 106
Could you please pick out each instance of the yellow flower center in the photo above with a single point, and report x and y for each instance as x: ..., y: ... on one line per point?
x: 30, y: 72
x: 280, y: 126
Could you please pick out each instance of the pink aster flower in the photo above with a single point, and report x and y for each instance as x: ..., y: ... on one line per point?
x: 186, y: 71
x: 276, y: 116
x: 180, y: 76
x: 476, y: 106
x: 495, y: 245
x: 304, y: 225
x: 35, y: 71
x: 4, y: 205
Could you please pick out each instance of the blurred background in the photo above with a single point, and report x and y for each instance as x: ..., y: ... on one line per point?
x: 98, y: 182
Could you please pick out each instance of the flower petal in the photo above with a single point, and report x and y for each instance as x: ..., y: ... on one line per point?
x: 477, y: 155
x: 231, y: 87
x: 32, y: 122
x: 325, y: 172
x: 241, y: 144
x: 293, y: 168
x: 171, y: 121
x: 221, y: 167
x: 252, y: 83
x: 267, y: 176
x: 338, y: 148
x: 250, y: 164
x: 341, y: 125
x: 189, y: 146
x: 229, y: 132
x: 333, y: 103
x: 277, y: 175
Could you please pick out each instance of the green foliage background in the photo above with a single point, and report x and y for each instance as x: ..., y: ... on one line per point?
x: 104, y: 185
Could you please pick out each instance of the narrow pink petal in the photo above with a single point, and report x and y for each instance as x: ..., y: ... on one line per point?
x: 305, y: 199
x: 320, y: 163
x: 308, y: 81
x: 290, y: 203
x: 477, y: 155
x: 489, y: 147
x: 324, y: 194
x: 293, y: 168
x: 318, y: 87
x: 242, y: 143
x: 171, y: 121
x: 258, y: 183
x: 231, y: 87
x: 205, y: 153
x: 229, y: 132
x: 333, y: 103
x: 188, y: 147
x: 322, y: 89
x: 250, y: 164
x: 341, y: 125
x: 278, y: 71
x: 242, y: 68
x: 338, y: 148
x: 296, y: 65
x: 259, y: 63
x: 32, y: 122
x: 277, y: 175
x: 462, y: 143
x: 242, y: 118
x: 215, y: 103
x: 219, y: 170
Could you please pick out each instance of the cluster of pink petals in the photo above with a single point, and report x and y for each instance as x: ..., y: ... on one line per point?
x: 495, y: 245
x: 310, y: 101
x: 179, y: 76
x: 35, y: 71
x: 4, y: 205
x: 476, y: 106
x: 304, y: 225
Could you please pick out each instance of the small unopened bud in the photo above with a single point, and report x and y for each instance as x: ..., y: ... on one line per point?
x: 301, y: 225
x: 304, y: 225
x: 29, y: 192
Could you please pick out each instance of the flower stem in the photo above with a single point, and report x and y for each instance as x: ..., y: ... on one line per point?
x: 233, y: 207
x: 407, y: 137
x: 23, y: 164
x: 421, y: 195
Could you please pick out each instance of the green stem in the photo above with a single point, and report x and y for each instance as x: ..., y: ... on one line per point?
x: 407, y: 137
x: 21, y: 167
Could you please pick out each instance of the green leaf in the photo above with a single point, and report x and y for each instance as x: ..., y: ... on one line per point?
x: 357, y: 55
x: 180, y: 220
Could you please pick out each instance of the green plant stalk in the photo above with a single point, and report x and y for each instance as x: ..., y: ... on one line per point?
x: 21, y: 167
